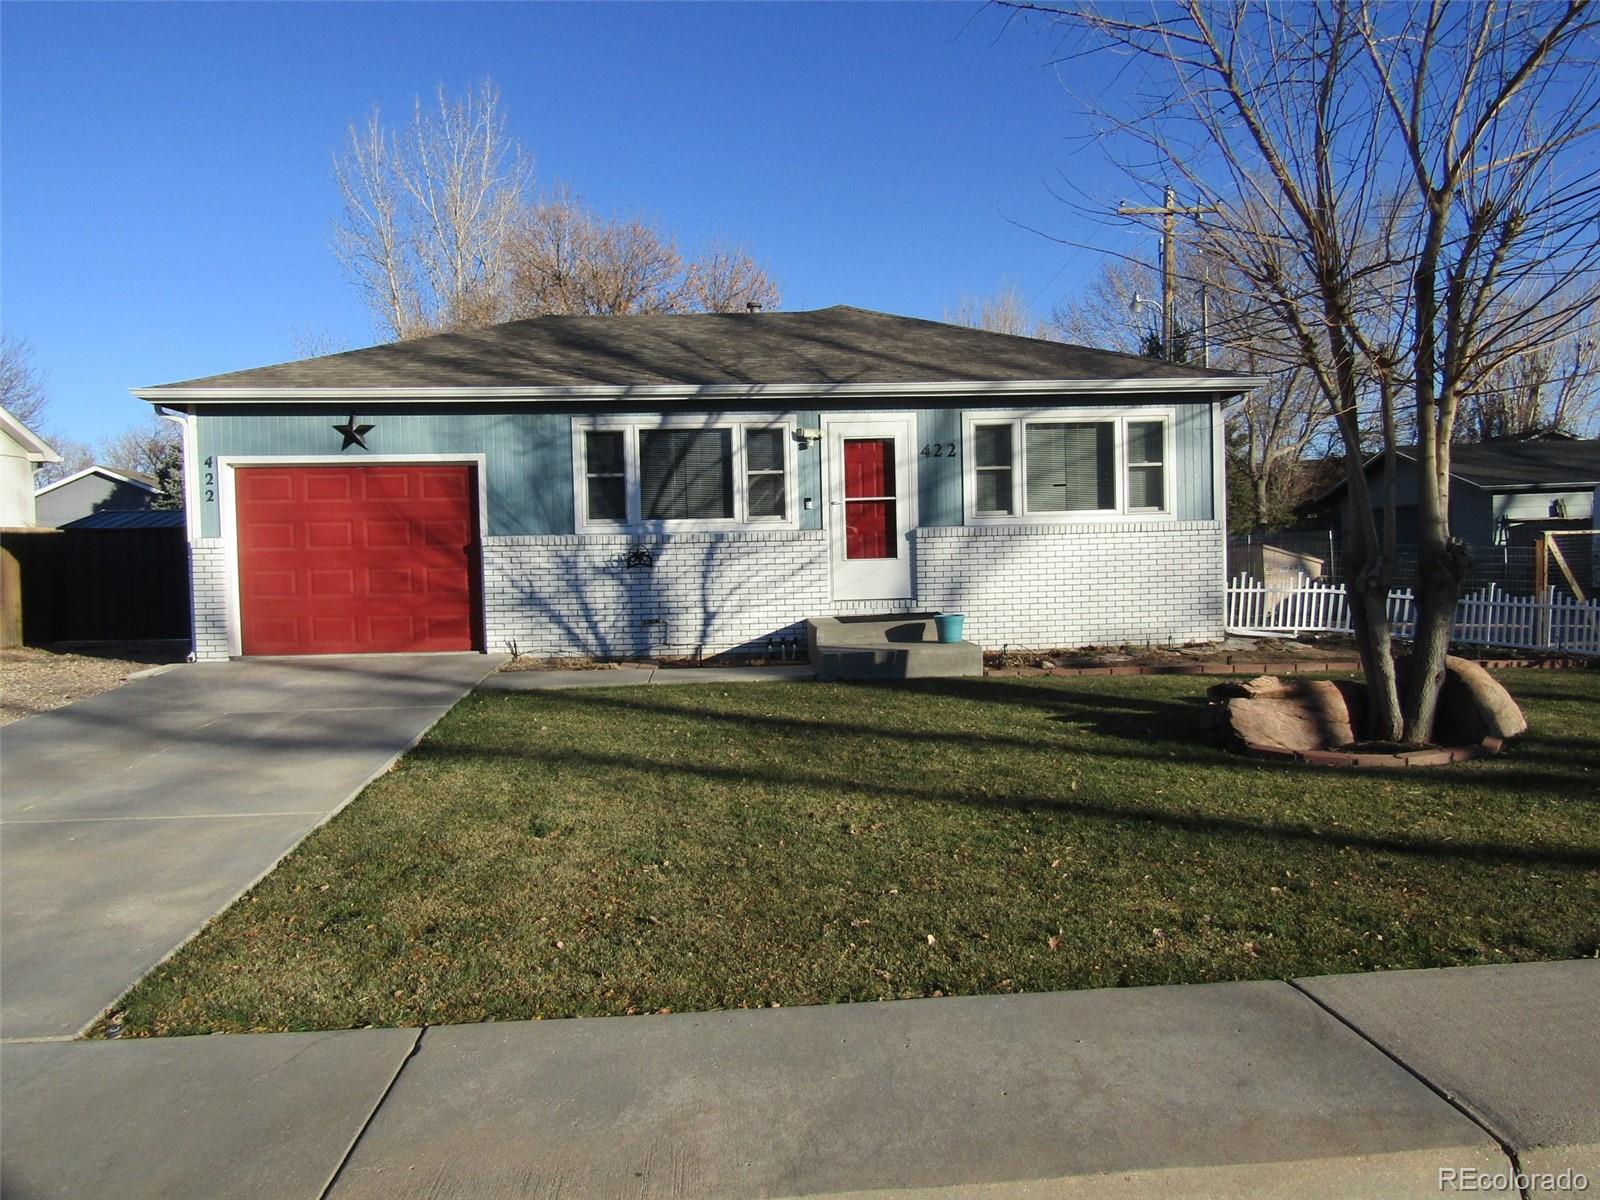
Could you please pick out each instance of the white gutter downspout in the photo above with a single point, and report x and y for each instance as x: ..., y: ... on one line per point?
x: 191, y: 507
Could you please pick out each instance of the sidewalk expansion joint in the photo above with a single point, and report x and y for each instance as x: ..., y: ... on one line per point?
x: 355, y: 1141
x: 1464, y: 1110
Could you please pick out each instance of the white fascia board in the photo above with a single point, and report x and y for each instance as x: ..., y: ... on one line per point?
x: 33, y: 446
x: 107, y: 472
x: 180, y: 395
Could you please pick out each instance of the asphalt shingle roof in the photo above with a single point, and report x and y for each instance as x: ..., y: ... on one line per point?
x: 1530, y: 463
x: 839, y: 345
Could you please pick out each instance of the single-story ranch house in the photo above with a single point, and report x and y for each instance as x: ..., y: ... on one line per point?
x: 610, y: 486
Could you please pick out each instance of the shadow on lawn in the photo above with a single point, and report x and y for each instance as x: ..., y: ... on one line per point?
x: 1147, y: 728
x: 590, y: 760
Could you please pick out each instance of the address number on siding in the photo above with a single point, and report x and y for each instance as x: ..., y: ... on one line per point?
x: 939, y: 450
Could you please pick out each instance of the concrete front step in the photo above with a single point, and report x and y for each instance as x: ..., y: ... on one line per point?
x: 900, y: 646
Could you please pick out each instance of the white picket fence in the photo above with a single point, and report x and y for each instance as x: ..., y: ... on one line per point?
x: 1489, y: 617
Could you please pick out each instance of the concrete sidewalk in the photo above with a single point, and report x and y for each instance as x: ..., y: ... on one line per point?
x: 629, y: 675
x: 131, y: 818
x: 1346, y: 1086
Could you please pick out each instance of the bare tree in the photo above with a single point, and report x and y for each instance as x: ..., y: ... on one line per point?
x: 566, y: 258
x: 154, y: 449
x: 1552, y: 387
x: 727, y: 279
x: 22, y: 386
x: 1003, y: 311
x: 1104, y: 313
x: 427, y: 211
x: 1410, y: 188
x: 310, y: 342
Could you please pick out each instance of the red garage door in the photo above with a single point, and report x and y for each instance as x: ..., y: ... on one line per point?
x: 345, y: 560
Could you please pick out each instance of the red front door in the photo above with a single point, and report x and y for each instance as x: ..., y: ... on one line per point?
x: 346, y: 560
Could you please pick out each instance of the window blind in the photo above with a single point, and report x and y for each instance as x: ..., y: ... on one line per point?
x: 686, y: 474
x: 1146, y: 474
x: 603, y: 467
x: 991, y: 445
x: 763, y: 454
x: 1071, y: 467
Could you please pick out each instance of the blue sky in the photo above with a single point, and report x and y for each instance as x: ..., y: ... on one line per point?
x: 167, y: 194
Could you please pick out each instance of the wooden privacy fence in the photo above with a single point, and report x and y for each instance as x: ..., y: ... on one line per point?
x: 93, y: 585
x: 1490, y: 617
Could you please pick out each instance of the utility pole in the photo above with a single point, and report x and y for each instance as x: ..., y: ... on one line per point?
x: 1168, y: 213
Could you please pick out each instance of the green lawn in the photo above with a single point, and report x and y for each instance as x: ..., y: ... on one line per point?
x: 632, y: 850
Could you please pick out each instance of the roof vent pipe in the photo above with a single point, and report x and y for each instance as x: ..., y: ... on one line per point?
x: 752, y: 306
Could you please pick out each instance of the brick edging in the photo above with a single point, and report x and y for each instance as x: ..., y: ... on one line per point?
x: 1433, y: 756
x: 1330, y: 667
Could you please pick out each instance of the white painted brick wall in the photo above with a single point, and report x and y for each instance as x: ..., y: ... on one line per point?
x: 1056, y: 585
x: 703, y: 591
x: 1038, y: 586
x: 208, y: 571
x: 1076, y: 585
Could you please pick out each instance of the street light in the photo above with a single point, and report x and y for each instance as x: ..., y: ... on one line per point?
x: 1205, y: 323
x: 1133, y: 307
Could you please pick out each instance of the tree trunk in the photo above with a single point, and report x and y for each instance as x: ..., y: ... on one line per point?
x: 1440, y: 570
x: 1367, y: 587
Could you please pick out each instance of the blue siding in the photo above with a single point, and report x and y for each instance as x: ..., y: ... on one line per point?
x: 1192, y: 447
x: 938, y: 475
x: 528, y: 456
x: 528, y: 468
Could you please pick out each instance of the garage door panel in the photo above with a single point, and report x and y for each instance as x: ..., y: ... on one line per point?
x: 446, y: 533
x: 340, y: 560
x: 390, y: 581
x: 393, y: 629
x: 329, y: 485
x: 379, y: 484
x: 444, y: 485
x: 264, y: 487
x: 333, y: 583
x: 330, y: 535
x: 269, y: 535
x: 272, y: 585
x: 388, y: 535
x: 446, y: 582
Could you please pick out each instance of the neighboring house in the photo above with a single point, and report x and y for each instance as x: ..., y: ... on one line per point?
x: 94, y: 489
x: 1496, y: 487
x: 21, y: 452
x: 701, y: 483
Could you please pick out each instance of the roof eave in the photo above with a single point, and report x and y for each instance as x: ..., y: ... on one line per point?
x: 105, y: 472
x: 180, y: 394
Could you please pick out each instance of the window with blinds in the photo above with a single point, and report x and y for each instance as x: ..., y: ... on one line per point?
x: 685, y: 474
x: 632, y: 473
x: 1147, y: 471
x: 1071, y: 467
x: 1036, y: 467
x: 764, y: 472
x: 605, y: 475
x: 991, y: 459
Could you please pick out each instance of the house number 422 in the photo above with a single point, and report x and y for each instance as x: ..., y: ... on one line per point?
x: 939, y: 450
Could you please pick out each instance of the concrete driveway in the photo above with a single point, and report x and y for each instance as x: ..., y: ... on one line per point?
x: 129, y: 819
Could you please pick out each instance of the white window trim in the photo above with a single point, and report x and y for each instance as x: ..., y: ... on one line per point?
x: 1019, y: 418
x: 631, y: 426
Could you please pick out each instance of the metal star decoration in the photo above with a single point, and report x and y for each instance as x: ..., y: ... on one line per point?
x: 354, y: 435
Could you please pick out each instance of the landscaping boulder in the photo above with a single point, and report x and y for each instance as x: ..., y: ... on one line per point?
x: 1473, y: 705
x: 1297, y: 715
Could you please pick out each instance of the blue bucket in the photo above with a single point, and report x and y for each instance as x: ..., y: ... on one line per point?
x: 949, y: 626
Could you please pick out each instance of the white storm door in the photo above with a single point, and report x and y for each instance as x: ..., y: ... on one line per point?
x: 872, y: 505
